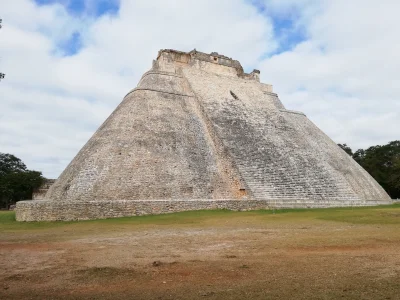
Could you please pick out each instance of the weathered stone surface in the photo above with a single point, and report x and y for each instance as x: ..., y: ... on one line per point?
x: 47, y: 210
x: 39, y: 193
x: 197, y: 127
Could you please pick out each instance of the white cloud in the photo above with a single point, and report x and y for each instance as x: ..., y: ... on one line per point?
x: 344, y: 76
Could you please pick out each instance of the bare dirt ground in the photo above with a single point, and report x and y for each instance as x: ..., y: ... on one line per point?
x: 336, y: 254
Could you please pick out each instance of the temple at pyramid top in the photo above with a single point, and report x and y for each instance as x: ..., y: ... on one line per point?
x: 213, y: 62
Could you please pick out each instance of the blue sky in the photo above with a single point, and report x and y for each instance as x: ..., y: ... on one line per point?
x: 285, y: 30
x: 82, y: 7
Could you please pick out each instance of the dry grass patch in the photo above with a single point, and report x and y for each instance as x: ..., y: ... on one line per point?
x: 286, y: 254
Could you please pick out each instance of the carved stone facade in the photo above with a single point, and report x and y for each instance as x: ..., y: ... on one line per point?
x: 198, y: 129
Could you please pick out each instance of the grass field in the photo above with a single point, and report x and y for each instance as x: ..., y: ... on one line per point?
x: 337, y: 253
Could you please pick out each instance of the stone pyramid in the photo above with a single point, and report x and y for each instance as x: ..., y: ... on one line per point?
x: 198, y: 133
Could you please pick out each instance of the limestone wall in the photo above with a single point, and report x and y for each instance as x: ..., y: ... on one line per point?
x: 279, y: 153
x: 40, y: 193
x: 155, y: 145
x: 43, y: 210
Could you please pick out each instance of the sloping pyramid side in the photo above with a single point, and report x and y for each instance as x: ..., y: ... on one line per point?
x: 155, y: 145
x: 279, y: 153
x: 196, y: 130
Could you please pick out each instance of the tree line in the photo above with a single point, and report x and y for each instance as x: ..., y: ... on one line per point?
x: 382, y: 162
x: 16, y: 181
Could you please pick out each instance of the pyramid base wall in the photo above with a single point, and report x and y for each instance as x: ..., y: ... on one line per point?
x: 47, y: 210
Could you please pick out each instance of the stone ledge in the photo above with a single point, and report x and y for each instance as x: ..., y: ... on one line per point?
x: 163, y: 73
x: 47, y: 210
x: 293, y: 112
x: 158, y: 91
x: 271, y: 94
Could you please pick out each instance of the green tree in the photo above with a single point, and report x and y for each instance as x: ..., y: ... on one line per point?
x: 394, y: 178
x: 10, y: 163
x: 359, y: 155
x: 383, y: 163
x: 16, y: 181
x: 346, y: 149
